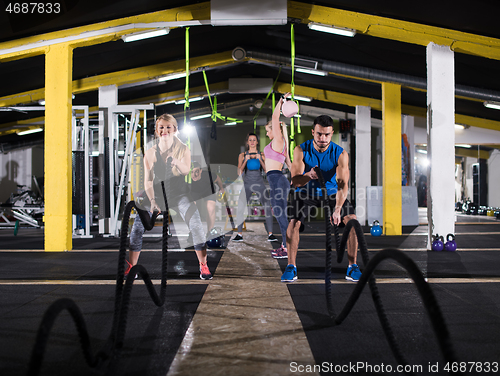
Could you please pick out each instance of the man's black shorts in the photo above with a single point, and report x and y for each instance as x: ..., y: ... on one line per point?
x: 303, y: 207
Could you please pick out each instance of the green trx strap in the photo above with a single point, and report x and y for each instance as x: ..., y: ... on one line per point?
x: 186, y: 90
x: 293, y: 83
x: 293, y: 62
x: 298, y: 118
x: 186, y: 98
x: 215, y: 114
x: 212, y: 106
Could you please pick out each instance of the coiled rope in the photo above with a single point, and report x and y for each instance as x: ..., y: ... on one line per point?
x: 428, y: 298
x: 122, y: 299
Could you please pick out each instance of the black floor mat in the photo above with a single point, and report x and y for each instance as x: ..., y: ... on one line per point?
x: 152, y: 337
x: 470, y: 310
x: 97, y: 265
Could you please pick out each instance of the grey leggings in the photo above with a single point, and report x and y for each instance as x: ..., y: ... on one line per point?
x: 182, y: 204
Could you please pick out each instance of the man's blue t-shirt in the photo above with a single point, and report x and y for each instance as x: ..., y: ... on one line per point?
x: 327, y: 161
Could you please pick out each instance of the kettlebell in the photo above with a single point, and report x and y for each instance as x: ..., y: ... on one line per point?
x: 437, y: 244
x: 376, y: 230
x: 450, y: 244
x: 289, y: 108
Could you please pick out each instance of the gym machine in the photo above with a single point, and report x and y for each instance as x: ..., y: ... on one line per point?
x: 115, y: 153
x: 113, y: 177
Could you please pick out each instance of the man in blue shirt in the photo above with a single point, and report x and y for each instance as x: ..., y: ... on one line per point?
x: 333, y: 162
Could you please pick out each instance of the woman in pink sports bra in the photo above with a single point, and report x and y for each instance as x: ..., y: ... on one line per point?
x: 276, y: 153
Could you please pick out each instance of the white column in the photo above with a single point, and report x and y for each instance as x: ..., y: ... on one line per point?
x: 408, y: 127
x: 108, y: 98
x: 363, y: 160
x: 440, y: 140
x: 494, y: 178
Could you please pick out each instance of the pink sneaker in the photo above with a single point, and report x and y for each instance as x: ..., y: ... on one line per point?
x: 280, y: 252
x: 127, y: 270
x: 205, y: 272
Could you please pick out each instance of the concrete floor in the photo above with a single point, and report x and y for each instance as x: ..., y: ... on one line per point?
x: 246, y: 321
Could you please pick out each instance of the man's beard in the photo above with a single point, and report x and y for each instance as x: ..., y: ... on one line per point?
x: 321, y: 148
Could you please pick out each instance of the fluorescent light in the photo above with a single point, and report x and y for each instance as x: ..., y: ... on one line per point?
x: 311, y: 71
x: 422, y: 151
x: 463, y: 146
x: 494, y: 105
x: 29, y: 131
x: 200, y: 117
x: 172, y: 76
x: 145, y: 35
x: 182, y: 101
x: 300, y: 98
x: 332, y: 29
x: 231, y: 123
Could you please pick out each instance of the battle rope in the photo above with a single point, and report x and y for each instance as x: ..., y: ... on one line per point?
x: 122, y: 298
x: 428, y: 298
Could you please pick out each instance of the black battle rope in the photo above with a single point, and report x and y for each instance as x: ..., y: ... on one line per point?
x: 428, y: 298
x: 122, y: 298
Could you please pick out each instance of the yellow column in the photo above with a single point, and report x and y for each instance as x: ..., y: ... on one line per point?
x: 58, y: 169
x: 391, y: 159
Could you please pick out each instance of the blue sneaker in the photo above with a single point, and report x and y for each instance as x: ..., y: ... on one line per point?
x: 353, y: 273
x: 290, y: 274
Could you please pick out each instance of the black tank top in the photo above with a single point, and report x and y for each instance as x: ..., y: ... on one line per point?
x: 174, y: 185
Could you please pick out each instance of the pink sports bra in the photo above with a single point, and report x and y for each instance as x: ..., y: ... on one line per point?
x: 274, y: 155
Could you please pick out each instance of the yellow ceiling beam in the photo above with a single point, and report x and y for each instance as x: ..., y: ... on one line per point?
x: 376, y: 26
x: 477, y: 122
x: 281, y: 87
x: 100, y: 32
x: 13, y: 127
x: 179, y: 94
x: 473, y: 153
x: 376, y: 104
x: 330, y: 96
x: 402, y: 31
x: 128, y: 76
x: 135, y: 75
x: 416, y: 111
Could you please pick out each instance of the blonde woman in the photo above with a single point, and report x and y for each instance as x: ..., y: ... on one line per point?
x: 169, y: 157
x: 276, y: 155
